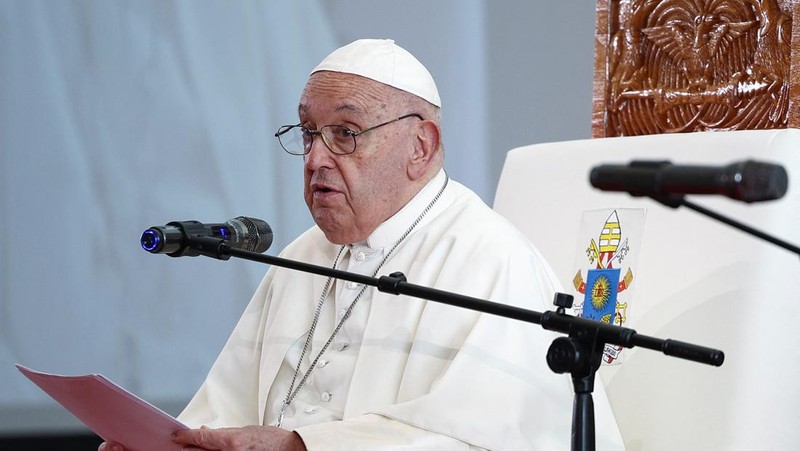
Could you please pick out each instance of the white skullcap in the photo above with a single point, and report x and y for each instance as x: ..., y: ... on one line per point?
x: 384, y: 61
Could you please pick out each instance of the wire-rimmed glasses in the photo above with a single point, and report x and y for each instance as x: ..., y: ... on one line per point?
x: 297, y: 140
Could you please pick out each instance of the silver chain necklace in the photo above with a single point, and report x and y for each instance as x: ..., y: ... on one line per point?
x: 294, y: 390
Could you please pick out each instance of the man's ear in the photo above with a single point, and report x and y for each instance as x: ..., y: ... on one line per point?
x: 426, y: 149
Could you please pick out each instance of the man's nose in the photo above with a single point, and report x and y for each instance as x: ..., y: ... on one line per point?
x: 318, y: 155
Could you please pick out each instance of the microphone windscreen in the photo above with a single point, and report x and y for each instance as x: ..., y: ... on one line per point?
x: 258, y: 234
x: 760, y: 181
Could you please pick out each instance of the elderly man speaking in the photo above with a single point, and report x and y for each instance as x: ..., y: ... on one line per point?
x: 322, y: 364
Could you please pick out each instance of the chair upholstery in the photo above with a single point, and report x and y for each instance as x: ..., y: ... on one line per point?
x: 698, y: 281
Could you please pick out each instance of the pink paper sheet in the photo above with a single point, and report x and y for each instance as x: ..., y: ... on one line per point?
x: 109, y: 410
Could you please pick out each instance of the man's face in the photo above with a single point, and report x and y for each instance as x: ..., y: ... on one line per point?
x: 350, y: 195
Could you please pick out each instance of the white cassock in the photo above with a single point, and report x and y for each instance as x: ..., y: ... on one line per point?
x: 404, y: 373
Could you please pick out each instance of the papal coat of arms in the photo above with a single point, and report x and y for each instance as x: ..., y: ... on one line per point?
x: 607, y: 266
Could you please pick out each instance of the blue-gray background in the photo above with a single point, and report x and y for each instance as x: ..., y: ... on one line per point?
x: 119, y: 115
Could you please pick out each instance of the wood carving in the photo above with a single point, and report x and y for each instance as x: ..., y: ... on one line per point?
x: 670, y: 66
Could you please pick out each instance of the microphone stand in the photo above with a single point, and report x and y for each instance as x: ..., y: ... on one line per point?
x: 677, y: 200
x: 579, y: 353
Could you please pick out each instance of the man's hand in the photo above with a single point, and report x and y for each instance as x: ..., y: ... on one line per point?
x: 248, y: 438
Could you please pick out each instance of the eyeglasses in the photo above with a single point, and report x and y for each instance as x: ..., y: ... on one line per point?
x: 297, y: 140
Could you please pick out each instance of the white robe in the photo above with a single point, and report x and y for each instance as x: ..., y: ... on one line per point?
x: 426, y: 375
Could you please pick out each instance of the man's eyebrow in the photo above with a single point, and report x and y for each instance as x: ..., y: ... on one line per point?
x: 349, y: 107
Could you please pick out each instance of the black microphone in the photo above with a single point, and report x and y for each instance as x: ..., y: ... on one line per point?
x: 747, y: 181
x: 245, y: 233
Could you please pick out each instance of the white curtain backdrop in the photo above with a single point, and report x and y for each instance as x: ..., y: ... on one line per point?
x: 119, y: 115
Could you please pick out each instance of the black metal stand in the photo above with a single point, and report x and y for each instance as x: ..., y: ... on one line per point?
x: 579, y: 353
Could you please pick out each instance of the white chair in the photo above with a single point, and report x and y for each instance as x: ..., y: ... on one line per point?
x: 698, y: 280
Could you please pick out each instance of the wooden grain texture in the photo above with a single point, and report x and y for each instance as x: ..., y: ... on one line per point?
x: 673, y: 66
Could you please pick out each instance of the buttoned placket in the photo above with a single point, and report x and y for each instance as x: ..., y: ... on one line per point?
x: 331, y: 377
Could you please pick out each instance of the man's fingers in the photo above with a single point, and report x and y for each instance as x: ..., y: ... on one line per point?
x: 204, y: 437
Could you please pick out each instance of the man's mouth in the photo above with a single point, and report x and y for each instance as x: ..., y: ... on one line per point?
x: 320, y: 190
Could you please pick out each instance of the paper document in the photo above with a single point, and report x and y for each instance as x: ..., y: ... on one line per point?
x: 110, y: 411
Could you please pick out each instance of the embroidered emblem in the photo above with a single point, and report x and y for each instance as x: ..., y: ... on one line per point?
x: 606, y: 260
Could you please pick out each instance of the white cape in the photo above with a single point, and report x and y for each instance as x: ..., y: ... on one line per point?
x: 477, y: 378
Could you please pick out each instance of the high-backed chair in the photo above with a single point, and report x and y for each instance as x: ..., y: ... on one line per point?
x: 697, y: 280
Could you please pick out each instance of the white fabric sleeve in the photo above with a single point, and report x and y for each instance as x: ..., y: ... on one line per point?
x: 376, y: 433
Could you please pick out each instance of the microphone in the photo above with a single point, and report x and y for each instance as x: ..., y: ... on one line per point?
x: 747, y: 181
x: 245, y: 233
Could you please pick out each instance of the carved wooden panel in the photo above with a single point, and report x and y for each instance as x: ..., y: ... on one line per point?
x: 671, y: 66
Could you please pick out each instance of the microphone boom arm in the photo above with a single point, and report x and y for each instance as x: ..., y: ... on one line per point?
x: 579, y: 354
x: 675, y: 201
x: 395, y: 283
